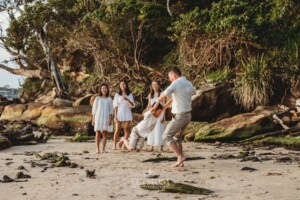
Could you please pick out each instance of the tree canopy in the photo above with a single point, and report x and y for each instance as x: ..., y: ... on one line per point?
x: 253, y: 44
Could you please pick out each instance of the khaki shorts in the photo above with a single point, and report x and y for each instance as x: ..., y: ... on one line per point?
x: 135, y: 140
x: 176, y: 127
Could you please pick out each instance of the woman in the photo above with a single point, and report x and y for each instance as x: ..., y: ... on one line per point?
x: 123, y: 102
x: 102, y: 116
x: 155, y: 137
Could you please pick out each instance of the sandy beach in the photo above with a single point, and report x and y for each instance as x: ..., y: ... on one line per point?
x: 119, y: 174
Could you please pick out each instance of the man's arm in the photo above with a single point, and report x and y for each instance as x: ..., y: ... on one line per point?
x: 167, y: 104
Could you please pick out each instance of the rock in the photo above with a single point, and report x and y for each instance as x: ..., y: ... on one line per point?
x: 67, y: 120
x: 170, y: 186
x: 13, y: 112
x: 189, y: 137
x: 90, y: 173
x: 73, y: 165
x: 236, y: 128
x: 248, y: 169
x: 34, y: 110
x: 62, y: 102
x: 83, y: 101
x: 7, y: 179
x: 213, y: 102
x: 267, y: 111
x: 4, y: 142
x: 21, y: 175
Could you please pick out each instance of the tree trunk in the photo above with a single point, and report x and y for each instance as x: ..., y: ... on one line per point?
x: 62, y: 91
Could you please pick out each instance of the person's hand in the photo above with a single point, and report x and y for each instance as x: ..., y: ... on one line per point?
x: 125, y: 97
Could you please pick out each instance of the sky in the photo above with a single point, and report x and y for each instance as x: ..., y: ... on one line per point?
x: 7, y: 78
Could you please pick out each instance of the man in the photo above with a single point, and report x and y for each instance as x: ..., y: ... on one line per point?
x: 181, y: 90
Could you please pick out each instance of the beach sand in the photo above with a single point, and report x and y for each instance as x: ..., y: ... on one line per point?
x: 119, y: 174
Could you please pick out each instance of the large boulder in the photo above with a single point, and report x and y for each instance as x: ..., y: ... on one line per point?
x: 213, y: 102
x: 62, y: 102
x: 13, y: 112
x: 83, y: 101
x: 236, y: 128
x: 4, y: 142
x: 34, y: 110
x: 67, y: 120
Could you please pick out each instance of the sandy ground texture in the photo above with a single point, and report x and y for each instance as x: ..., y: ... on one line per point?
x: 119, y: 174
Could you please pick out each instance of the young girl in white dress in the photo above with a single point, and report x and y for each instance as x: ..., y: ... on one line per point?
x: 123, y: 102
x: 102, y: 116
x: 155, y: 137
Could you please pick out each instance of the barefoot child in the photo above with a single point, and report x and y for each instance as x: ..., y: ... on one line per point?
x: 142, y: 129
x: 102, y: 116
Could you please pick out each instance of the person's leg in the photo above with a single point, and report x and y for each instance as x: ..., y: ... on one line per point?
x: 179, y: 134
x: 151, y: 148
x: 162, y: 148
x: 121, y: 142
x: 126, y: 129
x: 177, y: 123
x: 104, y: 140
x: 140, y: 143
x: 97, y: 139
x: 116, y: 134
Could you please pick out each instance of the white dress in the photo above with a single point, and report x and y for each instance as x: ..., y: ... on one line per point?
x: 124, y: 109
x: 155, y: 136
x: 102, y: 108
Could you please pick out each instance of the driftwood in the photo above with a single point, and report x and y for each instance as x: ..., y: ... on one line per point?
x: 170, y: 186
x: 277, y: 119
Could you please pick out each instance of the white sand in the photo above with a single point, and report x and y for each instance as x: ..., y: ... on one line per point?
x: 118, y: 174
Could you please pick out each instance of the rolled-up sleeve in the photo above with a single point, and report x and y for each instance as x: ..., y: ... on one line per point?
x: 170, y: 89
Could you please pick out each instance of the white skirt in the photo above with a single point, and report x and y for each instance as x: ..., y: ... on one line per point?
x: 155, y: 136
x: 103, y: 127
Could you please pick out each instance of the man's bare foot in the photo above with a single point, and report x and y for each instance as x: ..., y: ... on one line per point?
x: 179, y: 161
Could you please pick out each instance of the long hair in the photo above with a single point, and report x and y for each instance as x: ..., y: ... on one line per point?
x: 127, y: 90
x: 100, y: 93
x: 152, y: 91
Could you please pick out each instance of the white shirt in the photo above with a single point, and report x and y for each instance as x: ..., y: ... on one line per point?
x: 182, y: 91
x: 102, y: 109
x: 124, y: 109
x: 147, y: 124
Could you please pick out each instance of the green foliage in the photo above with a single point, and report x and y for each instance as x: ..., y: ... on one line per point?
x: 253, y: 85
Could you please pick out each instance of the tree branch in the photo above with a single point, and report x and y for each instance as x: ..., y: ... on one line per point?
x: 39, y: 73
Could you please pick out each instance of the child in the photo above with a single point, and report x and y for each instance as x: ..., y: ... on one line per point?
x: 102, y: 116
x: 142, y: 129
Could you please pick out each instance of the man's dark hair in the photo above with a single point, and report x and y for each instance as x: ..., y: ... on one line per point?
x: 159, y: 107
x: 176, y: 71
x: 100, y: 93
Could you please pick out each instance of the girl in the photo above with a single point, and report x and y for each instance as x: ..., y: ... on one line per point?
x: 102, y: 116
x: 155, y: 137
x: 123, y: 102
